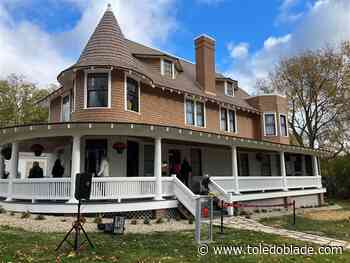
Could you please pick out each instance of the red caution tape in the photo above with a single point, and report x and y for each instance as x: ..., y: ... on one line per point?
x: 238, y: 205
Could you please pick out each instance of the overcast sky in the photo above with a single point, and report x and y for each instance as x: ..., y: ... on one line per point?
x: 39, y: 38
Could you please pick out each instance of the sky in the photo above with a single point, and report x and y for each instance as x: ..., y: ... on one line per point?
x: 40, y: 38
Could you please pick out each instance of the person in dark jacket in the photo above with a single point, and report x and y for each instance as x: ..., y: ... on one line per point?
x: 185, y: 172
x: 58, y: 169
x: 36, y: 171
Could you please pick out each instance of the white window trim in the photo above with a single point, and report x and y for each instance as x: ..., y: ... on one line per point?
x: 126, y: 76
x: 287, y: 133
x: 195, y: 112
x: 228, y: 120
x: 74, y: 92
x: 233, y: 90
x: 162, y: 68
x: 70, y: 110
x: 86, y: 72
x: 275, y: 116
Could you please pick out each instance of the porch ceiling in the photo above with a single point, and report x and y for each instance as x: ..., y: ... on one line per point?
x: 49, y: 144
x: 62, y: 130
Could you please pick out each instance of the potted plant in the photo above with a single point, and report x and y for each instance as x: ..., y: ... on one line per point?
x: 119, y: 147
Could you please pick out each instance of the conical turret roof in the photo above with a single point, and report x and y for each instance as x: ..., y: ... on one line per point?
x: 107, y: 46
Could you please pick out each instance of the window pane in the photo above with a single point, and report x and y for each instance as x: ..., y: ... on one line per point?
x: 190, y: 112
x: 65, y: 109
x: 132, y: 95
x: 229, y: 89
x: 223, y: 119
x: 200, y: 114
x: 270, y: 126
x: 283, y: 125
x: 97, y: 90
x: 168, y: 68
x: 232, y: 120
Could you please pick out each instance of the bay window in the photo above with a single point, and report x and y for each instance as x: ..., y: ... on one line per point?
x: 66, y: 109
x: 270, y: 124
x: 283, y: 125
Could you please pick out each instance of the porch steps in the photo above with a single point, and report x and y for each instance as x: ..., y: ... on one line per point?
x: 183, y: 211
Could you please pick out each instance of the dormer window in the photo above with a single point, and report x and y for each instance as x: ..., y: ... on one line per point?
x: 97, y: 89
x: 270, y: 127
x: 167, y: 68
x: 229, y: 89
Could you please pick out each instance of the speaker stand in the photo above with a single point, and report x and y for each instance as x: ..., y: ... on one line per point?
x: 77, y: 228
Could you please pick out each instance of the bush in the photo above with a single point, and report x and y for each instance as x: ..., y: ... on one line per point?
x: 191, y: 220
x: 335, y: 176
x: 133, y: 222
x: 2, y: 210
x: 25, y: 215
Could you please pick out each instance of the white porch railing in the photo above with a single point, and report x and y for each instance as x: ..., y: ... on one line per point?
x: 117, y: 188
x: 3, y: 187
x: 185, y: 195
x: 167, y: 186
x: 255, y: 183
x: 307, y: 181
x: 41, y: 189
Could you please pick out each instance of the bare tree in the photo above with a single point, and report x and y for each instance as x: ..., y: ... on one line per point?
x: 317, y: 86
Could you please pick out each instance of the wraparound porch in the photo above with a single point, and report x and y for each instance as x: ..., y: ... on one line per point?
x: 237, y: 166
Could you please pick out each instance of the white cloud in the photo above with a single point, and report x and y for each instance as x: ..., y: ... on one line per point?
x: 272, y: 42
x: 238, y: 51
x: 326, y: 22
x: 287, y: 15
x: 28, y: 49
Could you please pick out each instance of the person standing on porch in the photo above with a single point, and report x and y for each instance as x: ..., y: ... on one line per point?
x: 185, y: 171
x: 58, y: 169
x: 104, y: 168
x: 36, y: 171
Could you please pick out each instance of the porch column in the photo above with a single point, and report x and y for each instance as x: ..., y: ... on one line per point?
x: 235, y: 168
x: 158, y: 167
x: 13, y: 169
x: 315, y: 169
x: 75, y: 169
x: 283, y: 171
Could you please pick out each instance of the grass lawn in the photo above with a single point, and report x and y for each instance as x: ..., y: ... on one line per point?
x: 339, y: 229
x: 20, y: 246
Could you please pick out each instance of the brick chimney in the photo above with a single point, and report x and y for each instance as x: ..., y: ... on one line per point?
x: 205, y: 63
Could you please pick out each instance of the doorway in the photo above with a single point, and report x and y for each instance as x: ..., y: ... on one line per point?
x: 174, y: 161
x: 132, y: 159
x: 95, y: 150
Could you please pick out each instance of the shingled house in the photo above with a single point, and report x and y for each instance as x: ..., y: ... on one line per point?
x: 147, y: 111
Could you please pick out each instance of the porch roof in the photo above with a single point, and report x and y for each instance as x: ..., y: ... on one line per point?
x: 58, y: 129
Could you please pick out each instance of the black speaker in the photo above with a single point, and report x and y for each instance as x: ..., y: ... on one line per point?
x: 83, y: 186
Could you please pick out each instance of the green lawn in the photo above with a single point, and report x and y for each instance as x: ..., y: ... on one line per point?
x: 20, y: 246
x: 339, y: 229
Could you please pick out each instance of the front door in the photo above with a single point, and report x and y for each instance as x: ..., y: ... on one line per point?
x: 132, y: 159
x: 95, y: 150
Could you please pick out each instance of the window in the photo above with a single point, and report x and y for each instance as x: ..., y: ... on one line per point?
x: 308, y: 165
x: 228, y: 120
x: 66, y: 108
x: 167, y: 68
x: 148, y: 161
x: 195, y: 113
x: 190, y: 112
x: 266, y: 165
x: 243, y: 164
x: 97, y: 90
x: 283, y: 125
x: 132, y: 95
x: 270, y: 124
x: 223, y: 119
x: 229, y: 89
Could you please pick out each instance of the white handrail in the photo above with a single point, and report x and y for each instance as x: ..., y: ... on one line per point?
x: 218, y: 191
x: 185, y: 195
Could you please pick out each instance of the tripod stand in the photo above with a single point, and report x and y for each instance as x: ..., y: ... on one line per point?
x: 77, y: 227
